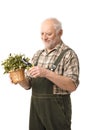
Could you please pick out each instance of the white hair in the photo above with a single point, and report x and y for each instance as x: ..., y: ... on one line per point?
x: 56, y: 23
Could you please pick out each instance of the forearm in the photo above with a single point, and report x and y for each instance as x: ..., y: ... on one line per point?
x: 25, y: 84
x: 61, y: 81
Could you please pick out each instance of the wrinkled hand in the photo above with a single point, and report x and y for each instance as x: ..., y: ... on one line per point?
x: 37, y: 71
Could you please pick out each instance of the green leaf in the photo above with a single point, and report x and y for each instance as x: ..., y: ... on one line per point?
x: 14, y: 62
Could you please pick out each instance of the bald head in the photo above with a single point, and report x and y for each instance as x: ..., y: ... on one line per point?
x: 53, y: 22
x: 51, y: 32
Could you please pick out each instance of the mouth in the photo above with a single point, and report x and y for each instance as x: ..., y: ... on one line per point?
x: 47, y: 41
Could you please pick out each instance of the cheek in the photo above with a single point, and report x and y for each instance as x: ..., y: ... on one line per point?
x: 51, y: 37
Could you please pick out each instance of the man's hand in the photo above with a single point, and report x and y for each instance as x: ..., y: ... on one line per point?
x: 37, y: 71
x: 25, y: 83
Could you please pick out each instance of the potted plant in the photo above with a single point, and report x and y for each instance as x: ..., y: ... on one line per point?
x: 15, y: 65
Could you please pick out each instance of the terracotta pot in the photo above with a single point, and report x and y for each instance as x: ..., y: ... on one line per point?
x: 17, y: 75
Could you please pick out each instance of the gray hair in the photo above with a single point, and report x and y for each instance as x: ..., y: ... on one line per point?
x: 56, y: 23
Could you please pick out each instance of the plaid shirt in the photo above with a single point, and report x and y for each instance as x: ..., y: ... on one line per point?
x: 68, y: 66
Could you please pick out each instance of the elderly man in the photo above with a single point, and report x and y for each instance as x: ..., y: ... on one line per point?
x: 54, y: 76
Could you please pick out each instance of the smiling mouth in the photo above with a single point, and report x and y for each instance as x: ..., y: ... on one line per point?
x: 47, y: 41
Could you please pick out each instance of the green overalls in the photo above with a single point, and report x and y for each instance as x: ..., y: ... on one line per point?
x: 49, y: 111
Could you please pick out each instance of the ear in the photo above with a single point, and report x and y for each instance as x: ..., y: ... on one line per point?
x: 60, y: 32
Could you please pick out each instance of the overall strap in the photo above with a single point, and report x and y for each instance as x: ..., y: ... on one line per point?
x: 59, y: 59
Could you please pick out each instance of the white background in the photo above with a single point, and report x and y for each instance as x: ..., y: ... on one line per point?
x: 20, y: 22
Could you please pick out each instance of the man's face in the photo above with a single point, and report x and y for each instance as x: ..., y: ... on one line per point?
x: 48, y: 35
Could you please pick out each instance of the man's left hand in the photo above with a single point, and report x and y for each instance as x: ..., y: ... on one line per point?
x: 37, y: 71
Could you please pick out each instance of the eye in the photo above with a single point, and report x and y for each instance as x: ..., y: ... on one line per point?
x: 42, y: 34
x: 49, y: 34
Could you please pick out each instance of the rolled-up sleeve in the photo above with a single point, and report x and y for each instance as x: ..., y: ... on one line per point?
x: 71, y: 67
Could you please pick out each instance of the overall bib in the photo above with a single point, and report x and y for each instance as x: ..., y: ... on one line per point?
x: 49, y: 111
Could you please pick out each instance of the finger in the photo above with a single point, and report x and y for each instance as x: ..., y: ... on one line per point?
x: 35, y: 76
x: 29, y: 72
x: 32, y: 68
x: 34, y: 72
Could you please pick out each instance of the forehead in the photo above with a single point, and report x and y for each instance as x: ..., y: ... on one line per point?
x: 47, y: 26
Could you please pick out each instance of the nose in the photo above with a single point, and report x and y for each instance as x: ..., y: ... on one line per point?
x: 44, y: 36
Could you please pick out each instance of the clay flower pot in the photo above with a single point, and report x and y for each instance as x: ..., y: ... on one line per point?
x: 17, y: 75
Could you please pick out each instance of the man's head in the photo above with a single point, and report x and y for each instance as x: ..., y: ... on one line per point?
x: 51, y: 31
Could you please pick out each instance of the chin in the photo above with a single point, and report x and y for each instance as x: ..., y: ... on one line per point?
x: 49, y: 45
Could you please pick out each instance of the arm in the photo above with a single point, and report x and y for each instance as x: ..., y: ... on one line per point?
x: 61, y: 81
x: 68, y: 80
x: 25, y: 83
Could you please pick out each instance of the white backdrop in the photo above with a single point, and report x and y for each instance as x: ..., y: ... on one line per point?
x: 20, y: 33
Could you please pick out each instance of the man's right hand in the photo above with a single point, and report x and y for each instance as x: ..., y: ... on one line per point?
x: 25, y: 83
